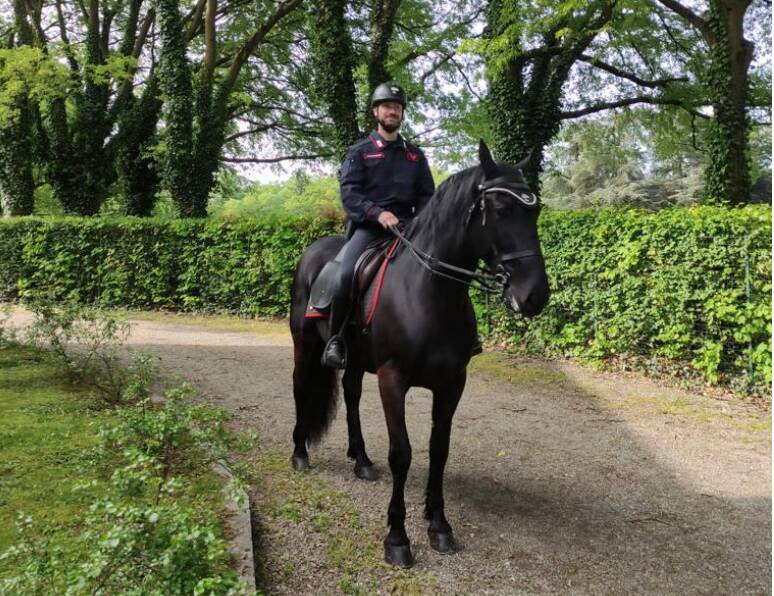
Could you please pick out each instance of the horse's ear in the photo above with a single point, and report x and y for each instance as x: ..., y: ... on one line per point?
x: 523, y: 163
x: 486, y: 160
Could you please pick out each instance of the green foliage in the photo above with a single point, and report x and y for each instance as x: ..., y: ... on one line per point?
x: 689, y: 286
x: 243, y: 267
x: 30, y: 72
x: 152, y: 526
x: 87, y: 342
x: 298, y: 196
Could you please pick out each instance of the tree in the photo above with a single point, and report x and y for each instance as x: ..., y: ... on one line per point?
x: 197, y: 112
x: 17, y: 186
x: 73, y: 122
x: 725, y: 78
x: 334, y: 59
x: 527, y: 83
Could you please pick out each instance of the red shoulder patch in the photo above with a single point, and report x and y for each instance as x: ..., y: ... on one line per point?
x: 412, y: 156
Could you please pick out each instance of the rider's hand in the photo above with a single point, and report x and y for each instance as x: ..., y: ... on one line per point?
x: 388, y: 220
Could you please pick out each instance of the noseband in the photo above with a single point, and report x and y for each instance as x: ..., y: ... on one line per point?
x: 487, y: 282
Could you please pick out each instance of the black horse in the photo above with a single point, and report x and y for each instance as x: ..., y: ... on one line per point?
x: 423, y: 329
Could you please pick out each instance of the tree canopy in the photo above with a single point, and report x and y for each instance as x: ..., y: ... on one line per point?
x: 105, y: 98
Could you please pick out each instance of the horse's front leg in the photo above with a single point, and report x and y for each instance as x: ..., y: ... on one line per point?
x: 353, y: 389
x: 392, y: 387
x: 445, y: 400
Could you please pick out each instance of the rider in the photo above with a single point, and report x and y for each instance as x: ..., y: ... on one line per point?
x: 384, y: 179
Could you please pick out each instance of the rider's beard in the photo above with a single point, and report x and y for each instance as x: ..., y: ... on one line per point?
x: 390, y: 126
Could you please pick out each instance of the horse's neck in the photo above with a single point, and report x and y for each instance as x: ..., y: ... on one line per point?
x: 448, y: 250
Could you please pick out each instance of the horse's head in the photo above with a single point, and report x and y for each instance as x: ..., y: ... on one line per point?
x: 506, y: 213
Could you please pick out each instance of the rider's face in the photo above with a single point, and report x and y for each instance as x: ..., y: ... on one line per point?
x: 389, y: 114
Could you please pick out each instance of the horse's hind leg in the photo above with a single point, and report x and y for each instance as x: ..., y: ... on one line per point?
x: 353, y: 388
x: 392, y: 387
x: 445, y: 400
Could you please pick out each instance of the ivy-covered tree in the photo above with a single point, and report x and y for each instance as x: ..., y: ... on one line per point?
x: 75, y: 122
x: 527, y: 80
x: 334, y: 64
x: 724, y: 75
x: 197, y: 111
x: 17, y: 186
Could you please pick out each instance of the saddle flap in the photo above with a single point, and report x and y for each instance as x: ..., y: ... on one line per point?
x: 321, y: 295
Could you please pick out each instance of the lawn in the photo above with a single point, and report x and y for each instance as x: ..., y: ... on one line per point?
x: 54, y: 467
x: 48, y: 431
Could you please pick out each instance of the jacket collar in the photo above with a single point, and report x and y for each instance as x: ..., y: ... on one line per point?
x: 380, y: 143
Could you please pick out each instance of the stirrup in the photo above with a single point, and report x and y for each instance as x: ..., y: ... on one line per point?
x: 333, y: 357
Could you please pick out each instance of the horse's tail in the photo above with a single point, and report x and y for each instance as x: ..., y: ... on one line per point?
x: 315, y: 387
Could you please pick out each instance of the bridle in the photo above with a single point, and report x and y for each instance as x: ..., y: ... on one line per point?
x: 495, y: 282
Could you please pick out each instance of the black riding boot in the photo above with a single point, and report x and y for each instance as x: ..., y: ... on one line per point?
x: 335, y: 352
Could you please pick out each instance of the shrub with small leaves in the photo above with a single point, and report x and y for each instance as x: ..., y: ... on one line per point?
x: 144, y: 536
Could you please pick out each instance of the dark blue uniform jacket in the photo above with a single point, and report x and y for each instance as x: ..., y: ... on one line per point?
x: 378, y: 175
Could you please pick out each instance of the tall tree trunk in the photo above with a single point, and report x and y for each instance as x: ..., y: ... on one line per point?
x: 177, y: 87
x: 17, y: 185
x: 193, y: 156
x: 334, y: 65
x: 727, y: 177
x: 137, y: 170
x: 525, y: 96
x: 382, y: 31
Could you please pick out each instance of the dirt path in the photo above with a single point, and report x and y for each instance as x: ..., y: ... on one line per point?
x: 559, y: 480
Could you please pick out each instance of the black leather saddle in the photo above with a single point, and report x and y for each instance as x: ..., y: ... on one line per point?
x: 366, y: 268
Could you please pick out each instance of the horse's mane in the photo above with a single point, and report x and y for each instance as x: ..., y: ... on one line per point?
x: 446, y: 212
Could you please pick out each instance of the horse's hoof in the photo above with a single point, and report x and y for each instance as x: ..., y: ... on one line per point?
x: 366, y: 472
x: 443, y: 542
x: 399, y: 556
x: 300, y: 463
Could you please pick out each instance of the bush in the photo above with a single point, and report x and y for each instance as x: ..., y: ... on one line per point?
x: 683, y: 290
x: 155, y: 526
x: 242, y: 267
x: 688, y: 288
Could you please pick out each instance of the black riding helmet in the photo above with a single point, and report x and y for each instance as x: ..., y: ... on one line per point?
x: 388, y: 92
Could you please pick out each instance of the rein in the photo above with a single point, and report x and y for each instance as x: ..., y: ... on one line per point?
x: 492, y: 283
x: 487, y: 282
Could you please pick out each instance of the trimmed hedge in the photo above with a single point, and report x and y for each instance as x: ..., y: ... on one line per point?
x: 187, y: 264
x: 687, y: 290
x: 682, y: 290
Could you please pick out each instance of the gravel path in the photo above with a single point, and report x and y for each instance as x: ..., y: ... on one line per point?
x: 560, y: 480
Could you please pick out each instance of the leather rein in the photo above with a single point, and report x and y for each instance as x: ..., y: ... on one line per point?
x: 493, y: 283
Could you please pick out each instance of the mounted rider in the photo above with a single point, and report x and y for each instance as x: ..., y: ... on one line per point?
x: 384, y: 180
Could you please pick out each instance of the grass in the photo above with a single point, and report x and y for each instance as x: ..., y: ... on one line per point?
x: 517, y: 371
x: 273, y: 327
x: 352, y: 549
x: 49, y: 467
x: 47, y: 429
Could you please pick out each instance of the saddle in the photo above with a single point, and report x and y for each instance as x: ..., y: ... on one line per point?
x: 370, y: 265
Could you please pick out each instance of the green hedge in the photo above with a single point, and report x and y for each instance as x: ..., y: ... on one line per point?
x: 686, y: 290
x: 201, y: 265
